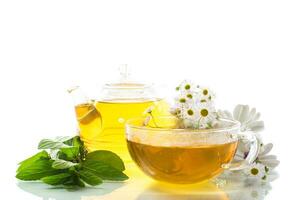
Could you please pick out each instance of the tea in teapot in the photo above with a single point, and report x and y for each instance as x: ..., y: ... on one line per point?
x: 102, y: 121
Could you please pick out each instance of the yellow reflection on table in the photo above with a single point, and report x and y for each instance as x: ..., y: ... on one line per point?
x: 139, y: 186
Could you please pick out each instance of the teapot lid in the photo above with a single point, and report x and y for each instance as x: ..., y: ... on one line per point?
x: 125, y: 89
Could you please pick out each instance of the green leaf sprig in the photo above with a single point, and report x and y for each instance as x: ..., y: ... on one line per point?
x: 65, y: 161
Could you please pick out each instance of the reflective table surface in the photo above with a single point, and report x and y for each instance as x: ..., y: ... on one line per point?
x: 140, y: 186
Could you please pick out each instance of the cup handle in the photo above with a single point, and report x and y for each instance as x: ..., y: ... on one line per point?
x: 252, y: 155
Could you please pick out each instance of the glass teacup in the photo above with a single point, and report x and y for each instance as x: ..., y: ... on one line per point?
x: 186, y: 155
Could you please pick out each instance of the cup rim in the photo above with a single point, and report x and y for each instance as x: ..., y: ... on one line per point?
x: 235, y: 125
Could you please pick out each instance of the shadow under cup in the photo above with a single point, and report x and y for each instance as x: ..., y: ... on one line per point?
x: 181, y: 155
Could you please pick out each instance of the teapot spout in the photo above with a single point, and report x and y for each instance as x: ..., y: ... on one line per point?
x: 88, y: 117
x: 78, y: 95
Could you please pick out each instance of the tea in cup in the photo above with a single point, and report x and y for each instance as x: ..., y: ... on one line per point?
x: 186, y: 155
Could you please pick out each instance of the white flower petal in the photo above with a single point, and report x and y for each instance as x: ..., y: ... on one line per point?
x: 237, y: 111
x: 267, y: 157
x: 258, y: 137
x: 245, y: 114
x: 241, y: 112
x: 256, y: 126
x: 252, y: 114
x: 266, y: 149
x: 271, y: 163
x: 256, y: 117
x: 225, y: 114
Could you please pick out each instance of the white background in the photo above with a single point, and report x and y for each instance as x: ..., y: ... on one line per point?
x: 247, y: 51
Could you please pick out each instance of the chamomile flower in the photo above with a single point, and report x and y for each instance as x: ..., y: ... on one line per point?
x: 270, y: 161
x: 207, y: 114
x: 190, y: 113
x: 256, y: 170
x: 190, y: 95
x: 248, y: 118
x: 207, y: 95
x: 184, y: 99
x: 186, y: 87
x: 194, y: 105
x: 262, y: 166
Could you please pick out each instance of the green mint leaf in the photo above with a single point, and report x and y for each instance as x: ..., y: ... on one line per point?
x: 63, y: 164
x: 74, y: 141
x: 53, y: 153
x: 59, y: 167
x: 108, y: 158
x: 77, y: 142
x: 37, y: 170
x: 32, y: 159
x: 79, y: 182
x: 57, y: 179
x: 89, y: 177
x: 69, y: 153
x: 51, y: 144
x: 74, y: 182
x: 62, y: 138
x: 103, y: 170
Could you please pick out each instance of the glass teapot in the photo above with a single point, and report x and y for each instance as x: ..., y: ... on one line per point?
x: 102, y: 121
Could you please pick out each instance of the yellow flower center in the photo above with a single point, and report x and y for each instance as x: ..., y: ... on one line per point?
x: 190, y: 112
x: 204, y: 112
x: 254, y: 171
x: 189, y: 96
x: 187, y: 87
x: 182, y: 100
x: 205, y: 91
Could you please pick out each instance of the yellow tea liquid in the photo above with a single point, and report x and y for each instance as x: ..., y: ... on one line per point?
x: 102, y: 124
x: 186, y: 164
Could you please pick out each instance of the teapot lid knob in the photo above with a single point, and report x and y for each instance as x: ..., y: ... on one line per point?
x: 127, y: 88
x: 124, y: 73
